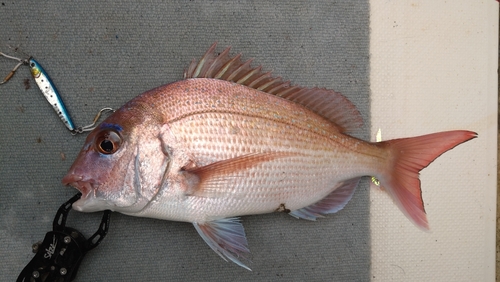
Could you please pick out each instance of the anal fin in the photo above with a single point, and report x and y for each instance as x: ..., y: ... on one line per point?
x: 226, y: 237
x: 332, y: 203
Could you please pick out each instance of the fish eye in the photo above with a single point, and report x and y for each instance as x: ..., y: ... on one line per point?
x: 108, y: 142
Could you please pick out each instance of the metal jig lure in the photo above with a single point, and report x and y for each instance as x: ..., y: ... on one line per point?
x: 50, y: 92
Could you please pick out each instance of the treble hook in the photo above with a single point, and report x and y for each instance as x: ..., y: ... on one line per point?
x: 13, y: 71
x: 91, y: 126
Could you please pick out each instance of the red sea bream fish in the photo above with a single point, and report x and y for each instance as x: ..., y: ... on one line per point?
x: 231, y: 140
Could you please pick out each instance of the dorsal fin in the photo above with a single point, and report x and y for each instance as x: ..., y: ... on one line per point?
x: 329, y: 104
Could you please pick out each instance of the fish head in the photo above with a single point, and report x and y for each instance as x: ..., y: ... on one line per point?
x: 121, y: 164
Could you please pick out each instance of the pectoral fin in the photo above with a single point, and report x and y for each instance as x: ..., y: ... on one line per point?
x: 226, y: 237
x: 214, y: 179
x: 332, y: 203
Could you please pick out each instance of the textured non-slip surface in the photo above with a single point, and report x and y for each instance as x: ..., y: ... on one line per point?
x: 433, y: 68
x: 102, y: 55
x: 410, y: 67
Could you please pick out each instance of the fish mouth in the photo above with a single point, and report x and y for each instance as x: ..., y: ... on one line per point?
x: 88, y: 202
x: 77, y: 181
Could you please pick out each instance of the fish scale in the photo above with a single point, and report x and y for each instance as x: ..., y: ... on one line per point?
x: 200, y: 130
x: 231, y: 98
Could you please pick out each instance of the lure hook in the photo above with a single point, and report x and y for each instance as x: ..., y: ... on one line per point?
x: 13, y: 71
x: 91, y: 126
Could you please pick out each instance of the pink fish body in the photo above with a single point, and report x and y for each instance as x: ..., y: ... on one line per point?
x: 230, y: 140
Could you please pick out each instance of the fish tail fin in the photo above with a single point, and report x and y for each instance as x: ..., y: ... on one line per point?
x: 408, y: 157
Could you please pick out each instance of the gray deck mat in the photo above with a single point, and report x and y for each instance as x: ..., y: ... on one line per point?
x: 103, y: 54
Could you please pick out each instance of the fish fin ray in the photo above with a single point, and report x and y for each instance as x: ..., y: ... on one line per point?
x: 332, y: 203
x: 409, y: 157
x: 227, y: 238
x: 329, y: 104
x: 199, y: 68
x: 213, y: 179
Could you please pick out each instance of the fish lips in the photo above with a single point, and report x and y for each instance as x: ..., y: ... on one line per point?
x: 88, y: 202
x: 77, y: 181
